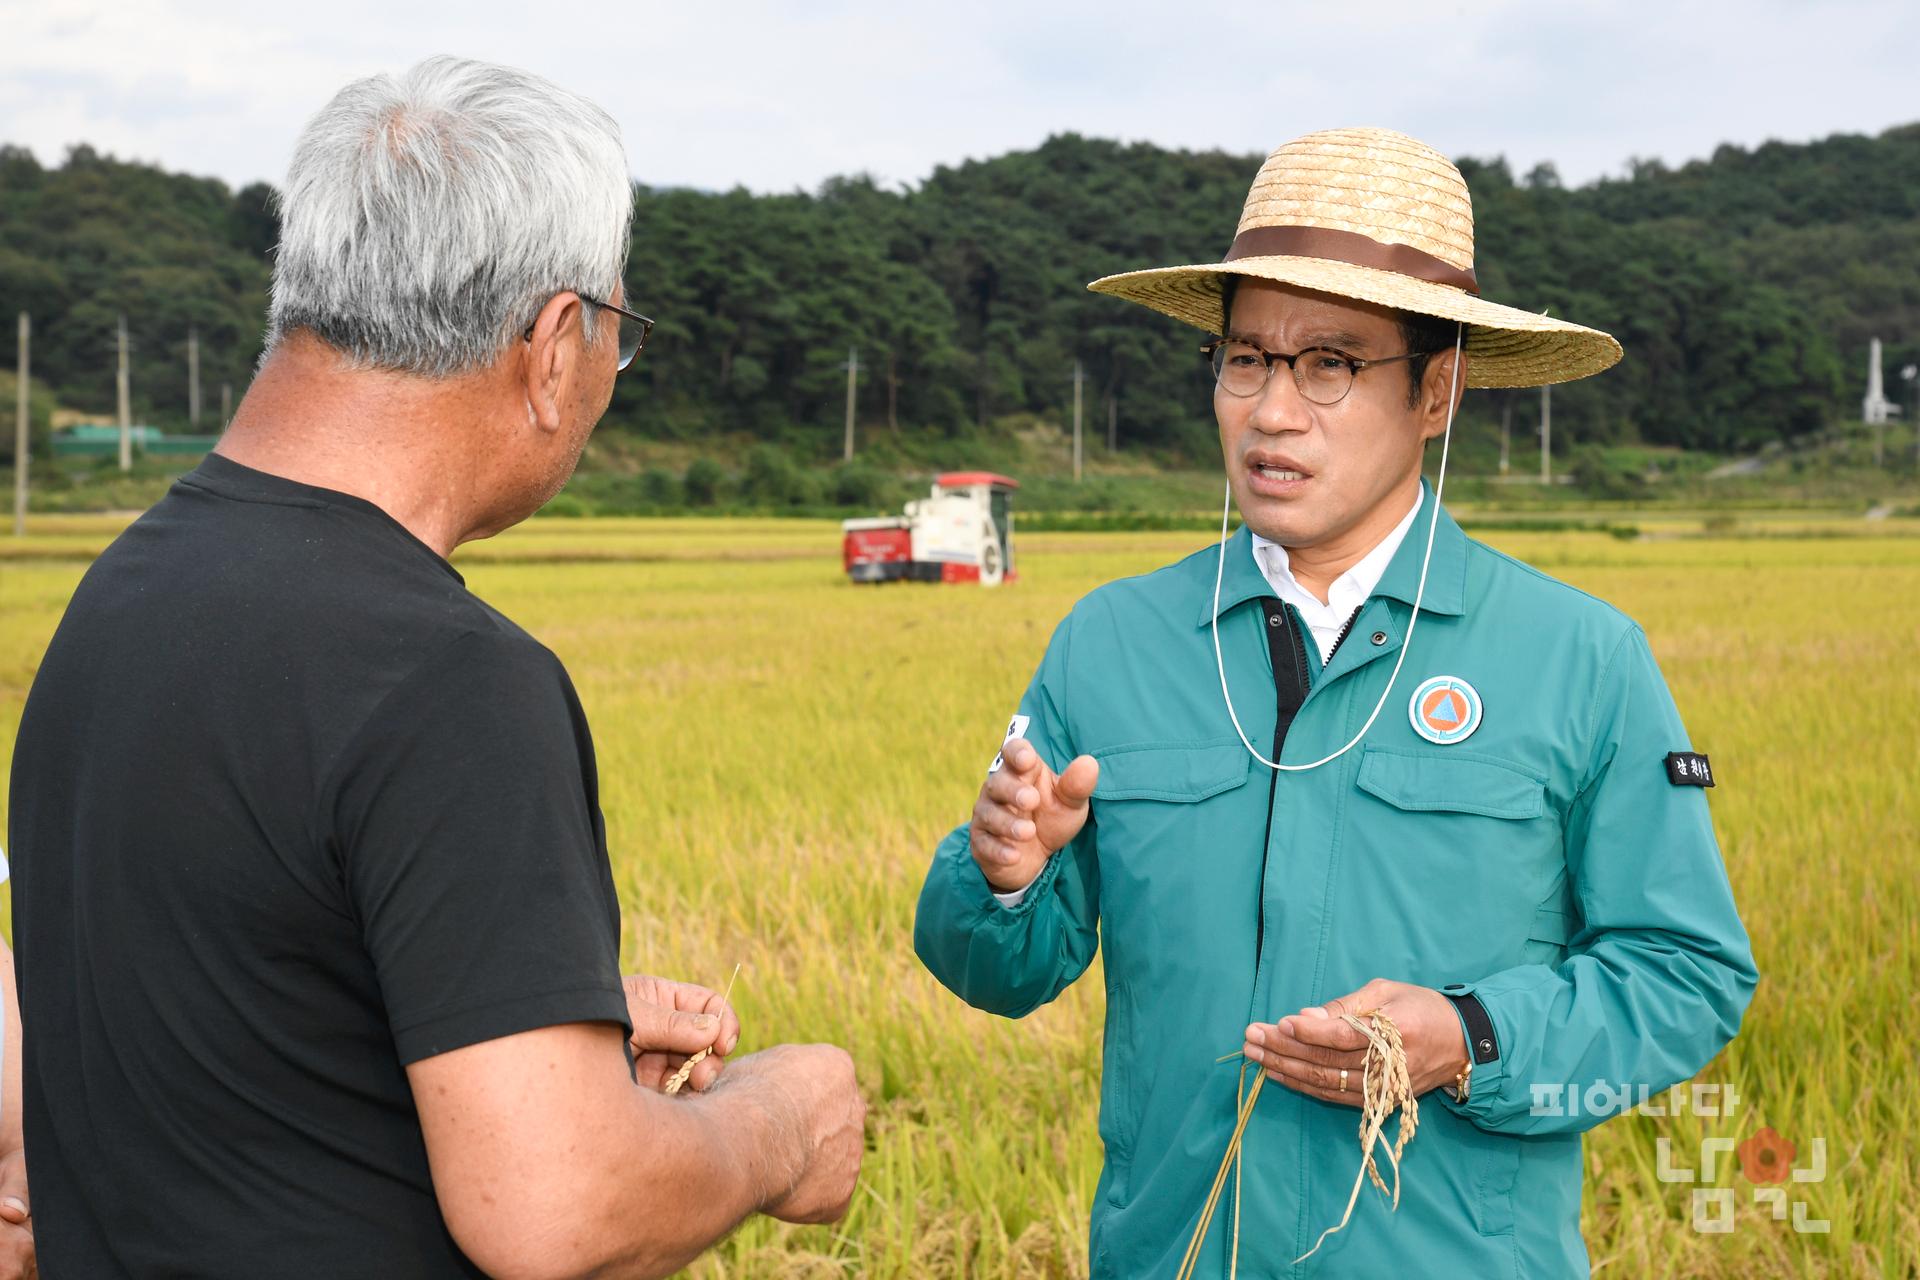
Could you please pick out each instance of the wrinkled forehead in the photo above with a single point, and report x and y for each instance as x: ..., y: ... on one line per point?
x: 1284, y: 317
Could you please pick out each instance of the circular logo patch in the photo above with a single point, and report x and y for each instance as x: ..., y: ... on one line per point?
x: 1445, y: 709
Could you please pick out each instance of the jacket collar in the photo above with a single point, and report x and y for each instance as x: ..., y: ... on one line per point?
x: 1446, y: 576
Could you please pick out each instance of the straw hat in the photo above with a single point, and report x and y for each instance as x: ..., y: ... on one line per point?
x: 1384, y: 218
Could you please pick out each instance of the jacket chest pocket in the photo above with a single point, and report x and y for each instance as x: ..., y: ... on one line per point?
x: 1456, y: 830
x: 1176, y: 827
x: 1434, y: 782
x: 1173, y: 773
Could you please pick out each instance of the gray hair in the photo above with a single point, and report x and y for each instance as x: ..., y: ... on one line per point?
x: 427, y: 219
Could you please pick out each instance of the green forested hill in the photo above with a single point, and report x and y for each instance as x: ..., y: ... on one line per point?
x: 1743, y: 286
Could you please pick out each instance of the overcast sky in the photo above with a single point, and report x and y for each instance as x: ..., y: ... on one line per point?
x: 777, y: 96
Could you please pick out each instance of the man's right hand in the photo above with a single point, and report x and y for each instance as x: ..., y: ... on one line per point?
x: 1026, y: 813
x: 818, y: 1078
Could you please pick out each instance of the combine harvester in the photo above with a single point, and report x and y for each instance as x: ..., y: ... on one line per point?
x: 961, y: 532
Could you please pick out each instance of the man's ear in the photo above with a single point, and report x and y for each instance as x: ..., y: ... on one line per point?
x: 1434, y: 386
x: 552, y: 358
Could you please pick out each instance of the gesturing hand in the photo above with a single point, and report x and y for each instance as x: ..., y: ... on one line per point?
x: 1026, y: 813
x: 672, y: 1021
x: 1307, y: 1051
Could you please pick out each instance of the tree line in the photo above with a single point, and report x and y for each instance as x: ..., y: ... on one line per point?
x: 1744, y: 287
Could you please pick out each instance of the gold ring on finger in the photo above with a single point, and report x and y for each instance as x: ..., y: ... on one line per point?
x: 1343, y: 1079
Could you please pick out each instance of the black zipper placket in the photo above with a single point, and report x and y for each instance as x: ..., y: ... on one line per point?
x: 1286, y: 646
x: 1287, y: 639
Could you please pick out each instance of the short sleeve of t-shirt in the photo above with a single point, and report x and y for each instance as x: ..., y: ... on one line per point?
x: 466, y: 822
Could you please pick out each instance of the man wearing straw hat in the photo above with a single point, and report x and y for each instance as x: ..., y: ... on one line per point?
x: 1350, y: 761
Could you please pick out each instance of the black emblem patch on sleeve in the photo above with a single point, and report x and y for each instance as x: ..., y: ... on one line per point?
x: 1689, y: 769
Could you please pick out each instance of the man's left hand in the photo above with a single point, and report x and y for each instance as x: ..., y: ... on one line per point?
x: 672, y: 1021
x: 1307, y: 1051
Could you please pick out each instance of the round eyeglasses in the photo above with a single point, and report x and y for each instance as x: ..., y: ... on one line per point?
x: 1323, y: 374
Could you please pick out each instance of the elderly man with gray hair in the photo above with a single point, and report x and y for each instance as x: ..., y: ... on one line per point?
x: 318, y: 937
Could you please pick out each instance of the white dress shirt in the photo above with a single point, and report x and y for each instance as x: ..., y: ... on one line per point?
x: 1345, y: 594
x: 1348, y: 592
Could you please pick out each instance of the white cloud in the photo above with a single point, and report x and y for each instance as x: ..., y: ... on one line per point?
x: 776, y: 96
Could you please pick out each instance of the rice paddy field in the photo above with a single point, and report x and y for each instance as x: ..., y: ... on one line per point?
x: 780, y: 751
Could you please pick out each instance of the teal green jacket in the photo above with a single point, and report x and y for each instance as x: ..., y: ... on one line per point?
x: 1546, y: 864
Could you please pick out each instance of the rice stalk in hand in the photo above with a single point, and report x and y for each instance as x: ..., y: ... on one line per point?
x: 1384, y: 1088
x: 678, y: 1080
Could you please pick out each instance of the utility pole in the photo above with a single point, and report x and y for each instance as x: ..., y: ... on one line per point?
x: 1078, y: 377
x: 126, y: 403
x: 226, y: 404
x: 1911, y: 376
x: 1506, y: 430
x: 1546, y: 425
x: 1546, y: 434
x: 20, y: 431
x: 1113, y: 422
x: 853, y: 379
x: 193, y: 378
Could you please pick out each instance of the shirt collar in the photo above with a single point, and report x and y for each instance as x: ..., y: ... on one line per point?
x: 1446, y: 576
x: 1351, y: 588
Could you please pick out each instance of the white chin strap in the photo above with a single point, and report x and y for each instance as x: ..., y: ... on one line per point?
x: 1453, y: 385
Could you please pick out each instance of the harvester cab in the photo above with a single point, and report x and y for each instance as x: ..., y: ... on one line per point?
x: 961, y: 532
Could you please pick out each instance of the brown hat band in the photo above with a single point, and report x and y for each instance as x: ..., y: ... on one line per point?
x: 1349, y: 247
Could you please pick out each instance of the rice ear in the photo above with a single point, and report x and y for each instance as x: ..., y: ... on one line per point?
x: 1385, y: 1087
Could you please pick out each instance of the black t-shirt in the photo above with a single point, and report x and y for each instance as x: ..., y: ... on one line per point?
x: 291, y: 808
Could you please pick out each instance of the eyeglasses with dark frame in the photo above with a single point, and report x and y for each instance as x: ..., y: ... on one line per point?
x: 1324, y: 375
x: 631, y: 342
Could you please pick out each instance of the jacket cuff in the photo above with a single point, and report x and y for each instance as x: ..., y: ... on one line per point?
x: 973, y: 887
x: 1484, y: 1039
